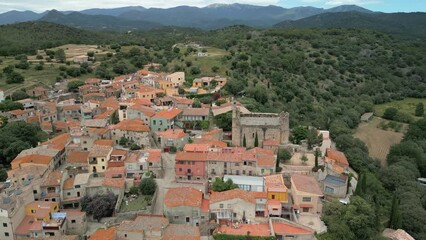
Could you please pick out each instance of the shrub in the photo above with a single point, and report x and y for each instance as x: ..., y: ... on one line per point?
x: 148, y: 186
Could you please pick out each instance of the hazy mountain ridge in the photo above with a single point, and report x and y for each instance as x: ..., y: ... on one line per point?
x: 210, y: 17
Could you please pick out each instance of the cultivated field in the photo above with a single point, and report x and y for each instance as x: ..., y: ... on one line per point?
x: 377, y: 140
x: 407, y: 105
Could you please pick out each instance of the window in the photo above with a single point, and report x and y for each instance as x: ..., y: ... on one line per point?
x: 33, y: 211
x: 68, y: 194
x: 221, y: 205
x: 77, y: 186
x: 235, y: 215
x: 176, y: 217
x: 244, y: 172
x: 263, y: 170
x: 180, y: 169
x: 6, y: 234
x: 329, y: 190
x: 103, y: 167
x: 305, y: 209
x: 187, y: 219
x: 73, y: 221
x: 273, y: 196
x: 35, y: 191
x: 4, y: 224
x: 306, y: 199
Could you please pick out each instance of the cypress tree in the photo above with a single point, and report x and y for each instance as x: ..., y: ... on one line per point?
x: 395, y: 216
x: 316, y: 158
x: 244, y: 141
x: 256, y: 141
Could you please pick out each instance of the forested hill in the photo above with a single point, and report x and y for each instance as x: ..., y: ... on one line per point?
x: 404, y: 24
x: 29, y: 36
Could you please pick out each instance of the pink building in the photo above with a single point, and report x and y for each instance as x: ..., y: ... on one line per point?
x: 191, y: 166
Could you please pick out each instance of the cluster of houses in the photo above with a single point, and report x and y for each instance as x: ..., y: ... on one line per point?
x: 112, y: 134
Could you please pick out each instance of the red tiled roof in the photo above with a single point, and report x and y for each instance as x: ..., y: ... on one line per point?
x: 306, y: 184
x: 134, y: 125
x: 77, y: 157
x: 27, y: 225
x: 68, y: 184
x: 33, y: 158
x: 104, y: 234
x: 288, y: 229
x: 168, y: 113
x: 257, y: 230
x: 154, y: 155
x: 205, y: 205
x: 337, y: 156
x: 232, y: 194
x: 183, y: 196
x: 58, y: 142
x: 172, y: 134
x: 113, y: 182
x: 103, y: 142
x: 193, y: 147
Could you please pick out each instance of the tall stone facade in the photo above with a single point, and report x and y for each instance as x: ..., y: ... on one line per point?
x: 264, y: 125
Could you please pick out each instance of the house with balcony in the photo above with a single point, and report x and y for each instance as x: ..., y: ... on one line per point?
x: 165, y: 119
x: 306, y: 193
x: 177, y: 79
x: 98, y: 158
x: 51, y: 187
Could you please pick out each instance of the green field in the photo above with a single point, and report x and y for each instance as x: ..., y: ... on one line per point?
x: 407, y: 105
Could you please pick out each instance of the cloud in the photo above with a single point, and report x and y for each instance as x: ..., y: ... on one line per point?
x: 43, y: 5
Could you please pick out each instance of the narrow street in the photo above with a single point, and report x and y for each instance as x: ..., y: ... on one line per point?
x: 166, y: 182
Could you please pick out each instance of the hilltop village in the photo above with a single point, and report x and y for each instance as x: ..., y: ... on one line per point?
x: 140, y: 157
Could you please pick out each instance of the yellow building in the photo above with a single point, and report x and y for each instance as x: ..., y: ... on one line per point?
x: 98, y: 158
x: 276, y: 188
x: 41, y: 210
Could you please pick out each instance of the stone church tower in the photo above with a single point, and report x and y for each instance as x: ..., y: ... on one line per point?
x: 270, y: 126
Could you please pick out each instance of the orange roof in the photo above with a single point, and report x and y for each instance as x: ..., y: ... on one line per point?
x: 181, y: 232
x: 17, y: 112
x: 93, y: 94
x: 32, y: 158
x: 275, y: 183
x: 193, y: 147
x: 68, y: 184
x: 72, y: 107
x: 77, y: 157
x: 53, y: 179
x: 289, y: 229
x: 105, y: 114
x: 110, y: 103
x: 270, y: 142
x: 183, y: 196
x: 306, y: 184
x: 337, y: 156
x: 104, y: 234
x: 191, y: 156
x: 232, y: 194
x: 27, y: 225
x: 58, y: 142
x: 119, y: 152
x: 154, y: 155
x: 134, y: 125
x: 103, y: 142
x: 172, y: 133
x: 168, y: 113
x: 258, y: 230
x: 211, y: 142
x: 205, y: 205
x: 113, y: 182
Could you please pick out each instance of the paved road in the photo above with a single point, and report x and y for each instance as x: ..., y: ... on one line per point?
x: 166, y: 182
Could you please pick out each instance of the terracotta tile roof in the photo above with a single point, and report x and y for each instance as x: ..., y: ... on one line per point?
x: 142, y: 102
x: 104, y: 115
x: 185, y: 101
x: 100, y: 151
x: 113, y: 182
x: 78, y: 157
x: 205, y: 205
x: 196, y: 112
x: 72, y: 107
x: 289, y: 229
x: 92, y: 81
x: 193, y: 147
x: 183, y: 196
x: 59, y: 142
x: 191, y: 156
x: 53, y: 179
x: 133, y: 125
x: 258, y: 195
x: 306, y: 184
x: 154, y: 155
x: 68, y: 184
x: 270, y: 142
x: 27, y: 225
x: 110, y: 103
x: 32, y: 158
x: 257, y: 230
x: 104, y: 234
x: 103, y: 142
x: 211, y: 142
x: 232, y: 194
x: 181, y: 232
x: 142, y: 223
x: 17, y: 112
x: 115, y: 171
x: 168, y: 113
x: 337, y: 156
x: 275, y: 183
x: 93, y: 94
x: 172, y: 134
x: 147, y: 111
x: 119, y: 152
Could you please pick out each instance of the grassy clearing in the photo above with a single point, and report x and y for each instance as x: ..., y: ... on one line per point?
x: 407, y: 106
x: 378, y: 140
x: 135, y: 205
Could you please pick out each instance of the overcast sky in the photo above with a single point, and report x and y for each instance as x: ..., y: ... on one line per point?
x: 42, y: 5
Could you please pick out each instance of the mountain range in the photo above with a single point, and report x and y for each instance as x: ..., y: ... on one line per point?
x: 139, y: 18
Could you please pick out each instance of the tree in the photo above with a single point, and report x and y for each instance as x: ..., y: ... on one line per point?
x: 148, y: 186
x: 420, y: 110
x: 313, y: 138
x: 60, y: 55
x: 3, y: 175
x: 215, y: 69
x: 14, y: 77
x: 19, y: 95
x: 134, y: 147
x: 181, y: 91
x: 9, y: 105
x: 74, y: 85
x: 361, y: 187
x: 317, y: 153
x: 195, y: 70
x: 256, y: 141
x: 91, y: 54
x: 99, y: 206
x: 196, y: 103
x: 244, y: 141
x: 298, y: 134
x: 123, y: 141
x: 114, y: 119
x: 134, y: 190
x: 219, y: 185
x: 284, y: 155
x: 395, y: 216
x: 304, y: 159
x: 224, y: 121
x: 390, y: 113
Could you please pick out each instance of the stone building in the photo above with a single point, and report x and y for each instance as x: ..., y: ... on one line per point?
x: 265, y: 126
